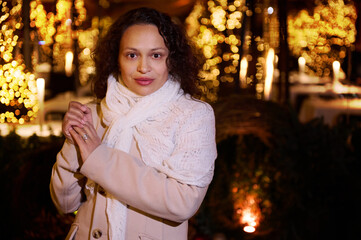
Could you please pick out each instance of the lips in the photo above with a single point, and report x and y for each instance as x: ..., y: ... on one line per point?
x: 144, y: 81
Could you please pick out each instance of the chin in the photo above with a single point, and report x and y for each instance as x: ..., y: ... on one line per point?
x: 144, y: 93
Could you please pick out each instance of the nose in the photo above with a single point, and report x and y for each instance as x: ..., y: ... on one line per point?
x: 143, y: 65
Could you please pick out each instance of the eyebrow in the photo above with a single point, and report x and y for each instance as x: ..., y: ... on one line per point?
x: 153, y: 49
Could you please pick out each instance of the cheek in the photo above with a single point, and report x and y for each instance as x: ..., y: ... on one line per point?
x: 126, y: 67
x: 162, y: 68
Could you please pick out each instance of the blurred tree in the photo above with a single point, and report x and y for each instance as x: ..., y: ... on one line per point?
x: 18, y: 103
x: 324, y: 35
x: 233, y: 37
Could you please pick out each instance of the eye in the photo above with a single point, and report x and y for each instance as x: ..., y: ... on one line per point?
x: 157, y: 55
x: 131, y: 55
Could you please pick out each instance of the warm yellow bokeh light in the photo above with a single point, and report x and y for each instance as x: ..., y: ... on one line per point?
x: 323, y: 36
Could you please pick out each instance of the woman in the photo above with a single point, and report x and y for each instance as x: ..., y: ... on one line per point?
x: 137, y: 163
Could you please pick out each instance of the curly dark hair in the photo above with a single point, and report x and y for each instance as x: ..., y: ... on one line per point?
x: 182, y: 61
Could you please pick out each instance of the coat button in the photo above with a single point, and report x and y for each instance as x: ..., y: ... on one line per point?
x: 96, y: 233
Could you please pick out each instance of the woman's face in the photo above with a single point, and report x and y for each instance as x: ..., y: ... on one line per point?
x: 142, y: 59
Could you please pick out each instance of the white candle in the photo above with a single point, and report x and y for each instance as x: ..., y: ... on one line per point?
x: 243, y: 72
x: 336, y: 70
x: 269, y: 74
x: 40, y: 84
x: 301, y: 65
x: 68, y: 63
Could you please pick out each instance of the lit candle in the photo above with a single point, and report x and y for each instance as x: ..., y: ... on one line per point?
x: 250, y: 213
x: 68, y: 63
x: 336, y: 70
x: 40, y: 84
x: 269, y: 74
x: 249, y: 229
x: 243, y: 72
x: 301, y: 65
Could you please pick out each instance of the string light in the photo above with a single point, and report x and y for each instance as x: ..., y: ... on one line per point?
x: 324, y: 36
x: 211, y: 25
x: 215, y: 27
x: 55, y: 29
x: 58, y: 41
x: 17, y: 86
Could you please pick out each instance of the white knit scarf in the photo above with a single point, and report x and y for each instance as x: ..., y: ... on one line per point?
x: 122, y: 112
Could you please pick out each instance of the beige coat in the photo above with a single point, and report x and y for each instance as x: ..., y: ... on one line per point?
x: 158, y: 207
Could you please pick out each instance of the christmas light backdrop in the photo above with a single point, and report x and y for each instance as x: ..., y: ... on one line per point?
x: 18, y: 86
x: 323, y: 35
x: 223, y: 32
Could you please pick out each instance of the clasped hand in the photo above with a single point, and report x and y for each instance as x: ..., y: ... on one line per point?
x: 78, y: 128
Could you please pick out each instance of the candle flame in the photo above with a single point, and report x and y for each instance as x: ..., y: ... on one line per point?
x: 336, y: 70
x: 301, y: 64
x: 269, y: 73
x: 249, y: 229
x: 40, y: 84
x: 249, y: 213
x: 243, y: 72
x: 248, y: 217
x: 336, y: 65
x: 68, y: 63
x: 336, y: 85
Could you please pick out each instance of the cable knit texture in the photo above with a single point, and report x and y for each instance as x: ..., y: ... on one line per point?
x: 153, y: 122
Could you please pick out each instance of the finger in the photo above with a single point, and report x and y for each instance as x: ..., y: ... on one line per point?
x: 88, y: 116
x: 89, y: 128
x: 75, y: 114
x: 67, y: 134
x: 88, y: 136
x: 80, y: 131
x: 86, y: 146
x: 80, y: 139
x: 77, y: 105
x: 85, y: 109
x: 77, y: 138
x: 69, y: 123
x: 73, y: 121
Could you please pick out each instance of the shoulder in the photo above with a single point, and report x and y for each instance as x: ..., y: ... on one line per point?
x: 191, y: 110
x: 196, y: 120
x: 192, y: 106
